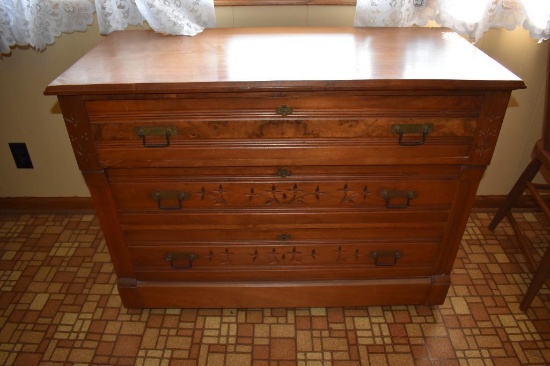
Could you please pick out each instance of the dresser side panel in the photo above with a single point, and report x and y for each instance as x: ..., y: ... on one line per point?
x: 80, y: 133
x: 488, y: 128
x: 106, y: 210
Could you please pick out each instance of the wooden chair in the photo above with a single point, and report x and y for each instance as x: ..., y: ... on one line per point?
x: 540, y: 158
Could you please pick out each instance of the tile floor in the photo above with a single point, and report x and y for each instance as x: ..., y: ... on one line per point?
x: 59, y: 306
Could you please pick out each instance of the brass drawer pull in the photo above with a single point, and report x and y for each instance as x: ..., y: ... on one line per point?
x: 171, y: 196
x: 283, y: 173
x: 389, y: 194
x: 386, y: 258
x: 284, y: 110
x: 402, y: 129
x: 143, y: 132
x: 186, y: 258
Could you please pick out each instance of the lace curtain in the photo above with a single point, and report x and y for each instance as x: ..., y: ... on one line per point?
x: 468, y: 17
x: 38, y: 22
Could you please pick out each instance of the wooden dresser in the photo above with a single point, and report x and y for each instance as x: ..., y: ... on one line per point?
x: 269, y: 167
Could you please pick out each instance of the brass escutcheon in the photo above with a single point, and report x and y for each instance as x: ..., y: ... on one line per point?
x: 284, y: 110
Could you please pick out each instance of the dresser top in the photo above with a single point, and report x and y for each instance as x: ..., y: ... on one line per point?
x: 255, y: 59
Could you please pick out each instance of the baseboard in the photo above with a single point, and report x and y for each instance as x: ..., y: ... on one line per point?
x: 492, y: 203
x: 84, y: 204
x: 46, y: 205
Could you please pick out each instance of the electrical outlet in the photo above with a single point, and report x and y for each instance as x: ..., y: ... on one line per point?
x: 21, y: 155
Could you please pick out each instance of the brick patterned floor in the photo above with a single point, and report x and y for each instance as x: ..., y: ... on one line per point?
x: 59, y: 306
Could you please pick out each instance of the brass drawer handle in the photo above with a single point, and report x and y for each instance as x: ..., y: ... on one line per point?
x: 284, y: 110
x: 402, y: 129
x: 389, y: 194
x: 143, y: 132
x: 170, y: 196
x: 186, y: 258
x: 386, y: 258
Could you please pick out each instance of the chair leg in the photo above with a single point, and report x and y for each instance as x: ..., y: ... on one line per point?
x: 538, y: 280
x: 515, y: 193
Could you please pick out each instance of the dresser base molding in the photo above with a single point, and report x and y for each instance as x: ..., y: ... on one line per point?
x: 420, y: 291
x: 58, y: 205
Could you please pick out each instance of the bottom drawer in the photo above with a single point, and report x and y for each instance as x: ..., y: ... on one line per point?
x: 275, y: 261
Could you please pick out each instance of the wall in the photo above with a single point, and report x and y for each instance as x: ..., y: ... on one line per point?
x: 29, y: 116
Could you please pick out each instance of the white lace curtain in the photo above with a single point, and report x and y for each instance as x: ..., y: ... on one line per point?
x: 38, y: 22
x: 469, y: 17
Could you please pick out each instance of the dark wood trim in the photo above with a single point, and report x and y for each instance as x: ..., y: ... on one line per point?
x: 85, y: 205
x: 46, y: 204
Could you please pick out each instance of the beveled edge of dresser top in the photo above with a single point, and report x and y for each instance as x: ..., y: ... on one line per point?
x: 297, y: 58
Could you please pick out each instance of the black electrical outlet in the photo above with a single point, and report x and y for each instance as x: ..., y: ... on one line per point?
x: 21, y: 155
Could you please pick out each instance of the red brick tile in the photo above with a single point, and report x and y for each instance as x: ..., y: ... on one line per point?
x: 47, y: 240
x: 508, y: 361
x: 440, y: 348
x: 279, y: 312
x: 402, y: 316
x: 287, y: 363
x: 451, y: 321
x: 260, y: 363
x: 399, y: 334
x: 282, y: 349
x: 101, y: 360
x: 467, y: 321
x: 303, y: 322
x: 354, y: 353
x: 194, y: 351
x: 318, y: 322
x: 352, y: 337
x: 245, y: 330
x: 110, y: 314
x: 127, y: 345
x: 155, y: 321
x: 171, y: 321
x: 376, y: 349
x: 335, y: 315
x: 105, y: 348
x: 420, y: 351
x: 479, y: 312
x: 260, y: 353
x: 217, y: 348
x: 28, y: 359
x: 188, y: 315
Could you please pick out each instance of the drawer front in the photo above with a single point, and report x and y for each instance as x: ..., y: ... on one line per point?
x: 253, y: 130
x: 242, y: 228
x: 298, y: 261
x: 144, y: 132
x: 297, y: 103
x: 158, y: 190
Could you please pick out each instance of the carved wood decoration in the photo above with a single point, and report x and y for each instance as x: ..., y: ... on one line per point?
x: 254, y: 179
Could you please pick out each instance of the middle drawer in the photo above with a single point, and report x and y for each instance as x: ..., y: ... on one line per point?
x: 181, y: 190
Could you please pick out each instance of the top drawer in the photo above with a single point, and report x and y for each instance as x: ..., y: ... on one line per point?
x: 307, y: 128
